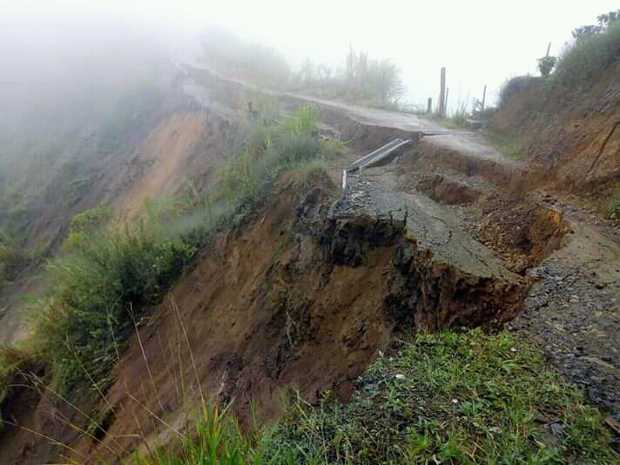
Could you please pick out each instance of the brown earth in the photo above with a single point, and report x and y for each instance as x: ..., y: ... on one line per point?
x: 570, y: 136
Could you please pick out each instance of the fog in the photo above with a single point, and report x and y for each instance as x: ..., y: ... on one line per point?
x: 479, y: 42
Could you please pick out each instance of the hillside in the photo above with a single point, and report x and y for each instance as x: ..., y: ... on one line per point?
x: 190, y: 280
x: 565, y: 126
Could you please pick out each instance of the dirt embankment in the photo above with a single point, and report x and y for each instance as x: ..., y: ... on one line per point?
x: 303, y: 295
x: 570, y: 135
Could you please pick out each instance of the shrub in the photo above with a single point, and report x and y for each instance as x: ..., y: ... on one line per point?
x: 95, y: 294
x: 546, y: 64
x: 591, y: 54
x: 85, y: 224
x: 516, y: 86
x: 13, y: 258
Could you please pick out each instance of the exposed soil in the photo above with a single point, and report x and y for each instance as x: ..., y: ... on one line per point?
x: 570, y: 136
x: 316, y: 282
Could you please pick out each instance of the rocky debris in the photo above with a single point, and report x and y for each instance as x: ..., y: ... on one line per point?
x: 576, y: 319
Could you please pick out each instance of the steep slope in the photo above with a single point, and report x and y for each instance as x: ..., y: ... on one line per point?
x: 569, y: 134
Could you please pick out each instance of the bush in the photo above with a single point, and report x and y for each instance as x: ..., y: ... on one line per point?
x: 85, y: 224
x: 516, y: 86
x: 96, y: 293
x: 546, y: 64
x: 13, y: 258
x: 589, y: 56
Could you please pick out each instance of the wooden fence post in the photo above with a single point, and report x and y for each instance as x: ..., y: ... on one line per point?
x: 484, y: 96
x: 429, y: 106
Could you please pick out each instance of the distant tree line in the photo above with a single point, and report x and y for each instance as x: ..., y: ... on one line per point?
x: 361, y: 79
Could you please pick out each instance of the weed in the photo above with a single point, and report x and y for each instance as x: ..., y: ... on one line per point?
x: 613, y: 207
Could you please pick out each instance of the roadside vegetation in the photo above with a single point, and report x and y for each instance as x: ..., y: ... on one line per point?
x: 361, y: 79
x: 450, y: 398
x: 109, y: 276
x: 613, y: 208
x: 596, y: 48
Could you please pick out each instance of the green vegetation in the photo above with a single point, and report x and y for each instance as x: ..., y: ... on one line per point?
x: 595, y: 49
x: 85, y: 224
x: 451, y: 398
x: 14, y: 257
x: 546, y: 65
x: 216, y: 440
x: 372, y: 82
x: 110, y: 276
x: 505, y: 143
x: 613, y: 208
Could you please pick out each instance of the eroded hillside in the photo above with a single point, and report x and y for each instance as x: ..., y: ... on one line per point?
x: 306, y: 285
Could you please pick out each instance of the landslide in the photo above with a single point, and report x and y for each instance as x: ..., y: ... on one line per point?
x: 169, y: 150
x: 297, y: 296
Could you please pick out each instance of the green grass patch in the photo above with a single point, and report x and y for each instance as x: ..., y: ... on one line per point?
x: 454, y: 399
x: 613, y: 206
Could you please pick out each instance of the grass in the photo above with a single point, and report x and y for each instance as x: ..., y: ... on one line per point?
x: 613, y: 207
x: 450, y: 398
x: 506, y: 144
x: 111, y: 276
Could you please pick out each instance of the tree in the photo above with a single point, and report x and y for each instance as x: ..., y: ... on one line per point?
x: 546, y: 65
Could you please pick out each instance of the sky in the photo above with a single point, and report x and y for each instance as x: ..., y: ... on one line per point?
x: 478, y: 41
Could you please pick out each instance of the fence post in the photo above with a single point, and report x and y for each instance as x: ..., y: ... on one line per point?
x: 484, y: 96
x: 429, y: 106
x: 442, y: 93
x: 445, y: 105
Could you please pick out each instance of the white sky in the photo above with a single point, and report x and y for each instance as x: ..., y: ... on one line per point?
x: 479, y: 41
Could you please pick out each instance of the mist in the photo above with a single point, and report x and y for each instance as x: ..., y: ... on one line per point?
x: 480, y: 43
